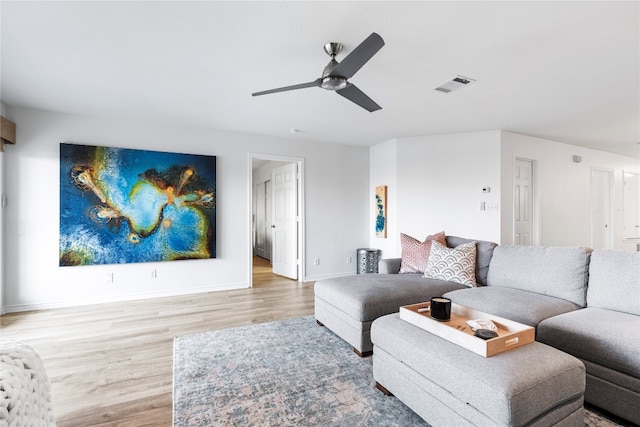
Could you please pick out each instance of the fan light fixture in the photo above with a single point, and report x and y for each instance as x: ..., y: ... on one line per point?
x: 333, y: 83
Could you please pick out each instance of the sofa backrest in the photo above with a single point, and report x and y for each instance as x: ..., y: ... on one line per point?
x: 389, y: 265
x: 560, y: 272
x: 484, y: 252
x: 614, y: 280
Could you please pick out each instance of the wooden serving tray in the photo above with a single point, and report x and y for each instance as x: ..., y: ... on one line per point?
x: 510, y: 334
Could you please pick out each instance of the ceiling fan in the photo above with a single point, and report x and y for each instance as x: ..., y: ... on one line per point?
x: 335, y: 74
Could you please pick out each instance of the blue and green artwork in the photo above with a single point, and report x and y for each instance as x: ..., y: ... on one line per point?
x: 124, y: 206
x: 381, y: 211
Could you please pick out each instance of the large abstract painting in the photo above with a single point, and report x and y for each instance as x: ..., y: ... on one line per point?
x: 124, y: 206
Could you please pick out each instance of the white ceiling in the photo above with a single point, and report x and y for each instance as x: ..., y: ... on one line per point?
x: 566, y: 71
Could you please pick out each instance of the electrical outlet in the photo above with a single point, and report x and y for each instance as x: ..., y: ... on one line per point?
x: 316, y: 261
x: 348, y: 260
x: 153, y: 274
x: 108, y: 278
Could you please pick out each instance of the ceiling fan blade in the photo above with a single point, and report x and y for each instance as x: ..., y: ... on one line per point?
x: 358, y: 56
x: 353, y: 94
x: 314, y: 83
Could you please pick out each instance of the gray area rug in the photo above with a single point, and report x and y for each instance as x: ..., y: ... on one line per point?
x: 285, y: 373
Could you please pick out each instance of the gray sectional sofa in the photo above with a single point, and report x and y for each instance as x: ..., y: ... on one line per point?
x: 582, y: 302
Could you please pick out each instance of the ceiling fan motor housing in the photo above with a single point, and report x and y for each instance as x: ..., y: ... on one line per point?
x: 332, y: 82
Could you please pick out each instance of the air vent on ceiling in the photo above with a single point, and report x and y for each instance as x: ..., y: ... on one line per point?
x: 454, y: 84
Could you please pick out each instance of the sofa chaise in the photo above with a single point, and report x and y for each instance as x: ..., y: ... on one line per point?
x: 347, y: 305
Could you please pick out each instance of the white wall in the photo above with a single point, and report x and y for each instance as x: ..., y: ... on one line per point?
x: 336, y: 213
x: 564, y: 189
x: 336, y: 187
x: 435, y: 182
x: 438, y: 186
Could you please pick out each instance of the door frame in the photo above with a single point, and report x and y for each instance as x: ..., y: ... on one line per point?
x: 536, y: 197
x: 301, y: 204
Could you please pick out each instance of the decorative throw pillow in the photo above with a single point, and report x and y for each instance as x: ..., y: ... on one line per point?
x: 453, y: 264
x: 415, y: 254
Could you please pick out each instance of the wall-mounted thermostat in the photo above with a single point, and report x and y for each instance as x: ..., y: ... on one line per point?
x: 486, y: 189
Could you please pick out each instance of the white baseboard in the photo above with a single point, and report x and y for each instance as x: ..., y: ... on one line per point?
x: 327, y: 276
x: 134, y: 297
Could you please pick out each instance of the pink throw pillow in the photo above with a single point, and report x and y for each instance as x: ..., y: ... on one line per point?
x: 415, y: 254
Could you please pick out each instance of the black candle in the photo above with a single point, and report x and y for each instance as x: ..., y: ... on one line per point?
x: 441, y: 308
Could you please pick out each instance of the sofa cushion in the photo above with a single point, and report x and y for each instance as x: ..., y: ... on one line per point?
x: 366, y: 297
x: 415, y: 254
x: 521, y: 306
x: 454, y: 264
x: 614, y: 280
x: 560, y: 272
x: 484, y: 252
x: 606, y: 337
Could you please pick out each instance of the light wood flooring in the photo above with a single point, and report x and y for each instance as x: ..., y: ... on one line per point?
x: 112, y: 364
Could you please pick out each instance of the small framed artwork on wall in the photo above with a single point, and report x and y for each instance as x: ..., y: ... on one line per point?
x: 381, y: 211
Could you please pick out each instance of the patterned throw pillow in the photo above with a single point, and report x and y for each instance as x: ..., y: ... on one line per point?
x: 453, y: 264
x: 415, y: 254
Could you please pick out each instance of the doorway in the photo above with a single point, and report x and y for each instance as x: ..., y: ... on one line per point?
x: 277, y: 219
x: 601, y: 181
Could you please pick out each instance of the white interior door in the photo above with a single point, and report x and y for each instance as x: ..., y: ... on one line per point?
x: 523, y: 202
x: 285, y: 221
x: 601, y: 209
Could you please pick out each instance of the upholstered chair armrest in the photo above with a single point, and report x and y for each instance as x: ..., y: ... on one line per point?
x: 389, y: 266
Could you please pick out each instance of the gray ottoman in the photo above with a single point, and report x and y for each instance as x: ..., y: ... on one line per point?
x: 534, y: 385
